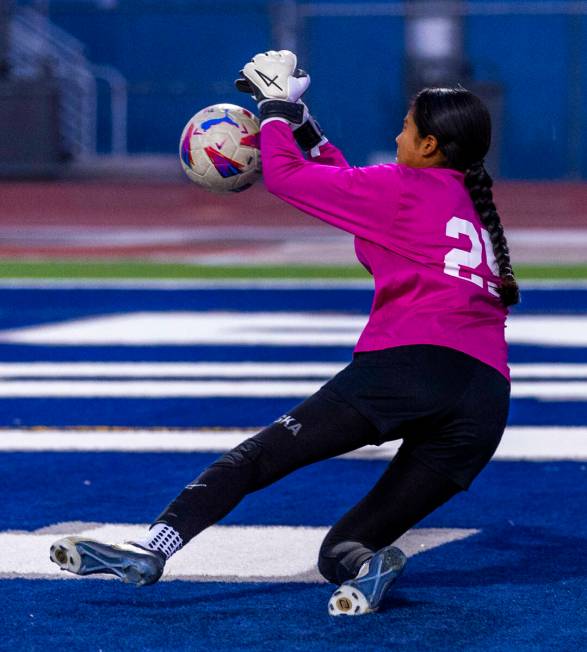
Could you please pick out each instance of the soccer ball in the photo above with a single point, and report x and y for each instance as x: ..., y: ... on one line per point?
x: 219, y: 148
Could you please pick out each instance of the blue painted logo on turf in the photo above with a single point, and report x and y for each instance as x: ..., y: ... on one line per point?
x: 215, y: 121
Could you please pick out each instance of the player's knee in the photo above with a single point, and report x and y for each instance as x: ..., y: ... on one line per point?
x: 248, y: 458
x: 245, y: 453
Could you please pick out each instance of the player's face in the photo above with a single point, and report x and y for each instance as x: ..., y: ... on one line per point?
x: 413, y: 150
x: 408, y: 143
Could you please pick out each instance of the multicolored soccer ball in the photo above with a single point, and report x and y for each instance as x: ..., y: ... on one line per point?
x: 219, y: 148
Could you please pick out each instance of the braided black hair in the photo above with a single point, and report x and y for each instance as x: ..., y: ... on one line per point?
x: 461, y: 124
x: 479, y: 183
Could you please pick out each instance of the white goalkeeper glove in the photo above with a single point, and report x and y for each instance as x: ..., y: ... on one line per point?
x: 273, y: 79
x: 275, y: 76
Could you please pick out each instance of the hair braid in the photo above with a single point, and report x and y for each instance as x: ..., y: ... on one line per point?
x: 479, y: 184
x: 461, y: 124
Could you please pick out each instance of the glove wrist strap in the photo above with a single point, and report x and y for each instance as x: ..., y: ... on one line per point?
x: 290, y: 111
x: 309, y: 135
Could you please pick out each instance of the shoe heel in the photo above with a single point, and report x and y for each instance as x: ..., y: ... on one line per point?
x: 65, y: 555
x: 348, y: 601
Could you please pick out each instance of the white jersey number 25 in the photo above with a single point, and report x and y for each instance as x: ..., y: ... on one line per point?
x: 457, y: 258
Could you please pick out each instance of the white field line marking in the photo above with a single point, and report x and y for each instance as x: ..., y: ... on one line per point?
x: 229, y: 553
x: 239, y: 284
x: 544, y: 237
x: 190, y: 284
x: 323, y: 370
x: 552, y: 370
x: 171, y: 369
x: 181, y: 328
x: 235, y: 369
x: 558, y: 330
x: 125, y: 235
x: 268, y: 328
x: 156, y: 389
x: 139, y: 441
x: 545, y: 391
x: 551, y: 391
x: 518, y: 442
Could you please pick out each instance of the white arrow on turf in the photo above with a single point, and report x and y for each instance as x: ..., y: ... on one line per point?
x: 225, y: 553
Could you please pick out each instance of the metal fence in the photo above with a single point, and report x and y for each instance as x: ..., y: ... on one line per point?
x: 38, y: 47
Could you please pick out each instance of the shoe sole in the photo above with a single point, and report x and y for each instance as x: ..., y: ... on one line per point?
x: 88, y: 557
x: 350, y: 600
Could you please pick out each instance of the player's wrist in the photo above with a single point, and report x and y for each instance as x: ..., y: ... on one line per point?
x: 290, y: 112
x: 270, y: 120
x: 309, y: 135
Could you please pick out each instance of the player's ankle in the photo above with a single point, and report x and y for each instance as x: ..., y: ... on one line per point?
x: 161, y: 538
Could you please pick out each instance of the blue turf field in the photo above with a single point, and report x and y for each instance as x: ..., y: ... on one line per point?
x: 519, y: 583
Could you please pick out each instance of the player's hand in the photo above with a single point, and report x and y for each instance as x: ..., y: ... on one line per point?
x: 274, y: 80
x: 274, y: 76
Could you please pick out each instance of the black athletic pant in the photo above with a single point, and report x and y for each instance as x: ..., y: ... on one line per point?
x: 450, y: 432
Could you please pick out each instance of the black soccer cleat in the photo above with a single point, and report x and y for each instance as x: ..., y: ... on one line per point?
x: 131, y: 563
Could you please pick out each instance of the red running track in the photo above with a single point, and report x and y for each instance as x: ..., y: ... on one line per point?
x: 168, y: 219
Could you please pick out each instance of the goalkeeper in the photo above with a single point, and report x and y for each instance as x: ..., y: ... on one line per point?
x: 430, y: 367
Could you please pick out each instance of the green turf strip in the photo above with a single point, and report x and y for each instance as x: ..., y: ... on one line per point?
x: 150, y: 270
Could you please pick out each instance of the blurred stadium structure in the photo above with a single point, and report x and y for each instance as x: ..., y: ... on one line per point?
x: 100, y: 90
x: 526, y: 56
x: 50, y: 94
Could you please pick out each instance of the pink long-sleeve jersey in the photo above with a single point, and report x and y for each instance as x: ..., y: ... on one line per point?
x: 416, y: 231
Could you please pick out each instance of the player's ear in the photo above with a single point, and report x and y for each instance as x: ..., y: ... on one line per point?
x: 429, y: 145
